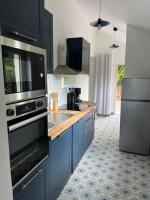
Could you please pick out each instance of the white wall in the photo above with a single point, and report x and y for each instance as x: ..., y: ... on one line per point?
x: 104, y: 41
x: 5, y: 176
x: 137, y: 52
x: 69, y: 21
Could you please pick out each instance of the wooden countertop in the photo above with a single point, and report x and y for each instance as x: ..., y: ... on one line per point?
x: 77, y: 115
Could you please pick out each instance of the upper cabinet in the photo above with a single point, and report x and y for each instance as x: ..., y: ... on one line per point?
x: 78, y: 55
x: 21, y: 18
x: 47, y: 38
x: 29, y: 22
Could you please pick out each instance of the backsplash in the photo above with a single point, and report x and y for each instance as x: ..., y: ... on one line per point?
x: 61, y: 84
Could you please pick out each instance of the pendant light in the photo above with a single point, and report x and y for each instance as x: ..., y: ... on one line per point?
x: 99, y: 23
x: 114, y: 46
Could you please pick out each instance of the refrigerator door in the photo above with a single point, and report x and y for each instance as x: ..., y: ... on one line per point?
x: 135, y: 127
x: 136, y: 89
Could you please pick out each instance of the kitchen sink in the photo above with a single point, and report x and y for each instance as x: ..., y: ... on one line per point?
x: 55, y: 119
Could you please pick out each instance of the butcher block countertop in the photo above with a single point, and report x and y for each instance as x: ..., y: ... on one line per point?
x: 76, y: 116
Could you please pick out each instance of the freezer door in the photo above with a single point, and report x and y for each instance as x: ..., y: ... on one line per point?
x: 135, y: 127
x: 136, y: 89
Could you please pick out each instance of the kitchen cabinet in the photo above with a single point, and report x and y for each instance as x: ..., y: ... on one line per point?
x: 21, y: 19
x: 65, y: 152
x: 47, y: 38
x: 77, y: 143
x: 33, y: 187
x: 28, y: 22
x: 58, y: 170
x: 89, y: 123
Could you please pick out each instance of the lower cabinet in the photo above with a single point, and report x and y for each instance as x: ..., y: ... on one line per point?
x: 59, y: 165
x: 89, y: 123
x: 65, y: 152
x: 32, y: 188
x: 77, y: 143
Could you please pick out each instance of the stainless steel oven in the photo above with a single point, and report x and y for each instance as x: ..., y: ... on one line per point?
x: 24, y: 68
x: 28, y: 137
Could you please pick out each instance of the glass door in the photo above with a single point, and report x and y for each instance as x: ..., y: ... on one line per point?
x: 23, y: 71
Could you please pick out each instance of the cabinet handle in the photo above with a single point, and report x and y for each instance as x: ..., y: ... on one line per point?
x: 23, y: 36
x: 25, y: 185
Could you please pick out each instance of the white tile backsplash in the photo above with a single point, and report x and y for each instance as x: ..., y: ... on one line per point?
x: 61, y: 84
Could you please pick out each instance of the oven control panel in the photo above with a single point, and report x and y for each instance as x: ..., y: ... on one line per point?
x: 22, y: 108
x: 25, y: 108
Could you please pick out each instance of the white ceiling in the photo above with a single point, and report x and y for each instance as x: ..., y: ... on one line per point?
x: 119, y: 13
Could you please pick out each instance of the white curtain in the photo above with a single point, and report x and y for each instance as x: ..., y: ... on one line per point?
x: 103, y: 77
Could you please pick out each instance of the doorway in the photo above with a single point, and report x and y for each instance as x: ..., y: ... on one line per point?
x: 120, y: 76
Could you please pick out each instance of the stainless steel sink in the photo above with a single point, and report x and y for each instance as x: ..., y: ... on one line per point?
x: 55, y: 119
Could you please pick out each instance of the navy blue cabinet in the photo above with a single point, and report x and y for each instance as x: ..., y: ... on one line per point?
x: 89, y: 123
x: 33, y: 187
x: 28, y: 21
x: 77, y: 143
x: 47, y: 38
x: 21, y: 19
x: 59, y: 167
x: 65, y: 152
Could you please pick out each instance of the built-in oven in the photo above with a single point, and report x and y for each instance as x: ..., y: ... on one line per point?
x: 24, y: 68
x: 28, y: 137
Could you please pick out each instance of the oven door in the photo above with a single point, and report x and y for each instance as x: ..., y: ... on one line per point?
x: 24, y: 71
x: 28, y: 145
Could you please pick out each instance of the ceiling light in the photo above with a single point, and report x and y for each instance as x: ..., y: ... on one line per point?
x: 99, y: 23
x: 114, y: 46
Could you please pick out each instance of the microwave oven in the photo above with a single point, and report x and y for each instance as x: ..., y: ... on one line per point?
x: 24, y: 69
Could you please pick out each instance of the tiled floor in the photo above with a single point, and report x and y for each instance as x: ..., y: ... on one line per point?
x: 104, y: 173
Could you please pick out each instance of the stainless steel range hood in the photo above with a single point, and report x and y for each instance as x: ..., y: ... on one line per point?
x: 64, y: 70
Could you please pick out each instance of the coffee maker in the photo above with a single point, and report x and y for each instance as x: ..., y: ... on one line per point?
x: 77, y: 92
x: 73, y: 96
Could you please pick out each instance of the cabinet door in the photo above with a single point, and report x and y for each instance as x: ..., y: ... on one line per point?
x: 78, y: 143
x: 87, y: 137
x: 61, y: 162
x: 47, y: 38
x: 21, y: 19
x: 32, y: 188
x: 88, y: 131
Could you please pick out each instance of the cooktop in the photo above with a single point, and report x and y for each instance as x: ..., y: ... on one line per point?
x: 75, y: 107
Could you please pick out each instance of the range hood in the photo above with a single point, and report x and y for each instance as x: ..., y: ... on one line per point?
x: 73, y: 57
x: 64, y: 70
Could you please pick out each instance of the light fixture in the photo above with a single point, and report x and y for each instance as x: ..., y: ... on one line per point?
x: 114, y: 46
x: 99, y: 23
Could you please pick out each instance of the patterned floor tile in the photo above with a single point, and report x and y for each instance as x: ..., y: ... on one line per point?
x: 105, y: 173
